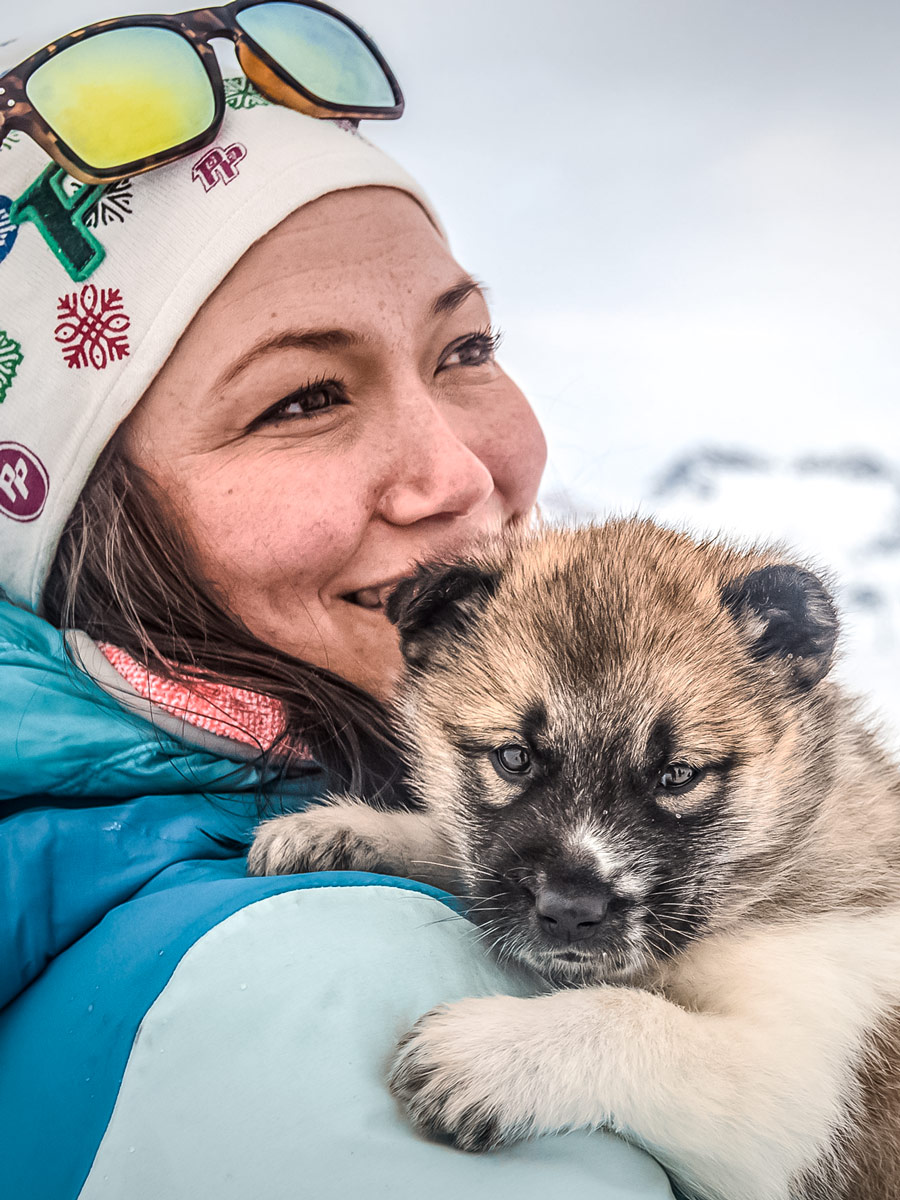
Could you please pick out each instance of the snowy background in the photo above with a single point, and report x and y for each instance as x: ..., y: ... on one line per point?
x: 688, y: 215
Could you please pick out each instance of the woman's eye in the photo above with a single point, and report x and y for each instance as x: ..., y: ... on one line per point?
x: 472, y: 351
x: 677, y: 775
x: 511, y: 761
x: 305, y: 402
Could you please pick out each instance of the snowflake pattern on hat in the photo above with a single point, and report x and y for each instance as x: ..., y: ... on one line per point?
x: 240, y: 93
x: 113, y: 205
x: 8, y: 229
x: 92, y: 327
x: 10, y: 360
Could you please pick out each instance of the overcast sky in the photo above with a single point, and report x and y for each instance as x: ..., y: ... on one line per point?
x: 687, y: 210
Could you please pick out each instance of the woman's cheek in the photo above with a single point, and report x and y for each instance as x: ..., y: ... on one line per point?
x: 259, y: 527
x: 303, y: 541
x: 514, y: 449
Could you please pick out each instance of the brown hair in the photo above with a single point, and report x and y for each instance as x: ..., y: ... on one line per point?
x: 125, y: 573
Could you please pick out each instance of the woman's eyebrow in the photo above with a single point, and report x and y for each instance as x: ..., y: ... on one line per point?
x: 454, y: 297
x: 290, y: 339
x: 339, y: 339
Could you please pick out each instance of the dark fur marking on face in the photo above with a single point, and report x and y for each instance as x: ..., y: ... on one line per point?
x: 659, y: 744
x: 677, y: 916
x: 528, y: 729
x: 438, y: 601
x: 534, y: 723
x: 700, y: 805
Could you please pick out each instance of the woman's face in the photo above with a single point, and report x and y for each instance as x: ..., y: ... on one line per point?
x: 333, y: 414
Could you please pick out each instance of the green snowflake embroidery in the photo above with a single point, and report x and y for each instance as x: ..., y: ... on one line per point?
x: 240, y: 93
x: 14, y: 135
x: 10, y: 360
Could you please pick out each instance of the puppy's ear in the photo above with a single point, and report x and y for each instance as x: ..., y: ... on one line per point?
x: 440, y: 600
x: 785, y: 613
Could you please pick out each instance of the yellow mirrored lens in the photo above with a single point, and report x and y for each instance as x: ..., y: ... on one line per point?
x: 121, y: 96
x: 319, y: 51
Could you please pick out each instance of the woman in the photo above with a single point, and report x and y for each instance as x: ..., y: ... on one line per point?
x: 242, y: 394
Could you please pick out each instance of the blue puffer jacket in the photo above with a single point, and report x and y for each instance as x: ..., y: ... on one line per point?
x: 173, y: 1029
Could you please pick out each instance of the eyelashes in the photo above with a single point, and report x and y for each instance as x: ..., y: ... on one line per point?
x: 321, y: 395
x: 325, y: 393
x: 475, y: 349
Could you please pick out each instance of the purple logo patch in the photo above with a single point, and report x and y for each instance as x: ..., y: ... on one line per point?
x: 23, y: 482
x: 219, y: 165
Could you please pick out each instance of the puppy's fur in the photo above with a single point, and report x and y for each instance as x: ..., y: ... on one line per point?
x: 725, y: 945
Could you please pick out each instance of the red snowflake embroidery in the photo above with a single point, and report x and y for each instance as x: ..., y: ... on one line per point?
x: 92, y: 327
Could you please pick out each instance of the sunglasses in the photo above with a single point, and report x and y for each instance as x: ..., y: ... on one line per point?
x: 127, y: 95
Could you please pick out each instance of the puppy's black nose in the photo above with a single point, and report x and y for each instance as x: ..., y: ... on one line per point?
x: 571, y: 916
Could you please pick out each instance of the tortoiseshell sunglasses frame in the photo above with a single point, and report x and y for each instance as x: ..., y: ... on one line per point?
x: 197, y: 27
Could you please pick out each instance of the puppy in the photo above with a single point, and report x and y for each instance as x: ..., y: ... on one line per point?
x: 627, y: 744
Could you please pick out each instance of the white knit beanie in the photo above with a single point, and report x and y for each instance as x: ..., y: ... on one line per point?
x: 97, y: 286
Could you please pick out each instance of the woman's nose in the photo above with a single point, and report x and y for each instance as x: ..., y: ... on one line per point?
x: 432, y: 471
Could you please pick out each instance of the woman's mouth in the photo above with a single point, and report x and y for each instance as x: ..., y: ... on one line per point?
x: 373, y: 597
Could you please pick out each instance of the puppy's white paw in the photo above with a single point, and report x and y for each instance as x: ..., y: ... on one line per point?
x: 320, y: 839
x: 464, y: 1077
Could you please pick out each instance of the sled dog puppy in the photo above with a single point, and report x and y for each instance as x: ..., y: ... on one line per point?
x: 628, y: 742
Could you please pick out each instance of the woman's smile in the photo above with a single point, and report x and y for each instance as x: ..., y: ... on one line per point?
x: 374, y: 597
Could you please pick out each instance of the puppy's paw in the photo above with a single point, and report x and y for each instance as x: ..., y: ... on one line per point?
x: 462, y: 1079
x: 320, y: 839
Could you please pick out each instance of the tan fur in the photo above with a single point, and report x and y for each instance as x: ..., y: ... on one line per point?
x: 868, y: 1152
x: 760, y: 1058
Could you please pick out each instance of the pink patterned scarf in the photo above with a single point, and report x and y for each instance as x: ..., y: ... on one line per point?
x: 230, y: 712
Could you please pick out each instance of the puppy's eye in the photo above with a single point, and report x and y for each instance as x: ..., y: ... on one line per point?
x: 677, y: 775
x: 512, y: 761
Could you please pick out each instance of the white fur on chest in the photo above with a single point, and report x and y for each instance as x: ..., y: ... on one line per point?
x: 783, y: 1013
